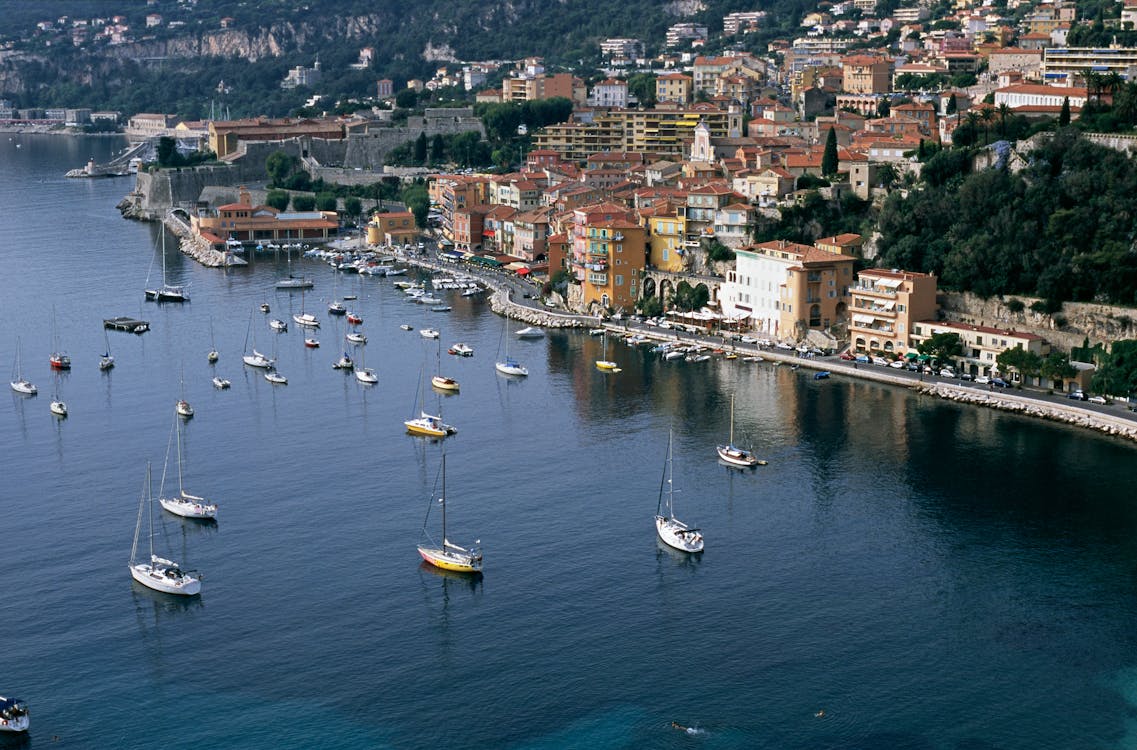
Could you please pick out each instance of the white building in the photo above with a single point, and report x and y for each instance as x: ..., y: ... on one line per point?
x: 753, y: 289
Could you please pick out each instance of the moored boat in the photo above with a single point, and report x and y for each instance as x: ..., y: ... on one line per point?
x: 220, y: 383
x: 446, y: 555
x: 733, y: 454
x: 158, y: 573
x: 276, y: 378
x: 14, y: 716
x: 673, y: 532
x: 461, y: 350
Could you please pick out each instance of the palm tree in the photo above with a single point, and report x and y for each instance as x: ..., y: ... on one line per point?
x: 987, y: 115
x: 1004, y: 113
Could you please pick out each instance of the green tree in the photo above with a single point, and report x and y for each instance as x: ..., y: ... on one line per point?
x: 651, y: 307
x: 406, y: 99
x: 952, y: 107
x: 1064, y: 113
x: 278, y: 199
x: 829, y: 157
x: 420, y: 149
x: 941, y: 346
x: 279, y: 167
x: 1117, y: 373
x: 642, y: 86
x: 688, y: 298
x: 303, y: 203
x: 168, y: 155
x: 1023, y: 361
x: 326, y: 202
x: 437, y: 149
x: 353, y: 207
x: 1056, y: 366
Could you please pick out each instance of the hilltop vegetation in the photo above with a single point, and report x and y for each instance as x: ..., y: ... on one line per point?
x: 1062, y: 228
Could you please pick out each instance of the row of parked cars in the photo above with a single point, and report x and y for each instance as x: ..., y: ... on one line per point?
x: 927, y: 368
x: 1080, y: 395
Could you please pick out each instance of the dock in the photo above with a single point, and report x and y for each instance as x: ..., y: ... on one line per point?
x: 129, y: 325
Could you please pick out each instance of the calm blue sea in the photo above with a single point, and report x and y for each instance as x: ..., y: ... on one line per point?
x: 905, y: 573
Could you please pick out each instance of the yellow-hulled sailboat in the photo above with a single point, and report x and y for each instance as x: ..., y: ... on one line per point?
x: 446, y: 555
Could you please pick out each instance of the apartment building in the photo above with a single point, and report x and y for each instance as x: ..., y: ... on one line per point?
x: 885, y: 305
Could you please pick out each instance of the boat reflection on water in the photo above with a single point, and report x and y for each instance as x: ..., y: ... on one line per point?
x: 472, y: 581
x: 664, y: 553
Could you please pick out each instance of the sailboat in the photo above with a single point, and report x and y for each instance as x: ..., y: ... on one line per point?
x: 106, y: 361
x: 19, y: 383
x: 167, y: 292
x: 335, y: 307
x: 428, y: 425
x: 364, y: 374
x: 293, y: 282
x: 305, y: 319
x: 510, y: 366
x: 14, y: 715
x: 256, y: 359
x: 213, y: 354
x: 449, y: 556
x: 158, y: 573
x: 183, y: 504
x: 441, y: 381
x: 733, y: 454
x: 182, y: 407
x: 671, y: 530
x: 59, y: 359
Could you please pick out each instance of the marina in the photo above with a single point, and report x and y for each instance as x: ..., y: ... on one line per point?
x: 840, y: 579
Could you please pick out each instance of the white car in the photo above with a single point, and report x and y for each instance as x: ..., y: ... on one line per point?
x: 982, y: 380
x: 947, y: 372
x: 898, y: 364
x: 748, y: 340
x: 664, y: 324
x: 880, y: 361
x: 1098, y: 400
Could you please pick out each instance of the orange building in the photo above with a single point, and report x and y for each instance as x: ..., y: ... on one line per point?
x: 395, y: 228
x: 614, y: 264
x: 248, y: 223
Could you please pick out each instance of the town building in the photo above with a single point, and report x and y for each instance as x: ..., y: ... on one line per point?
x: 248, y: 223
x: 885, y: 305
x: 981, y: 344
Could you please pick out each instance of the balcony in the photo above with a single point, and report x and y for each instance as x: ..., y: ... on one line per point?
x: 870, y: 289
x: 598, y: 279
x: 602, y: 267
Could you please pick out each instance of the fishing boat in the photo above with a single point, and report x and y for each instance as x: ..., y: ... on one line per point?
x: 278, y: 325
x: 167, y: 292
x: 158, y: 573
x: 446, y: 555
x: 343, y: 363
x: 356, y: 337
x: 428, y: 333
x: 733, y: 454
x: 19, y: 383
x: 220, y: 383
x: 671, y: 530
x: 530, y: 332
x: 276, y: 378
x: 183, y: 504
x: 14, y: 715
x: 461, y: 350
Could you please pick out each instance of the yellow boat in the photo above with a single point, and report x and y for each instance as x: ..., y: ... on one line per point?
x: 444, y: 383
x: 429, y: 425
x: 448, y: 556
x: 605, y: 364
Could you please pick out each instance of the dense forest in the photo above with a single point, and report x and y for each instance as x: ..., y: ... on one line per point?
x: 1061, y: 228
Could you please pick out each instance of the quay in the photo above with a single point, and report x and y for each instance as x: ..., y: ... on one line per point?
x: 128, y: 325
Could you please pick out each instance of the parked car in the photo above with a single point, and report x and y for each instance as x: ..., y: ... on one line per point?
x: 912, y: 367
x: 1000, y: 383
x: 1077, y: 394
x: 965, y: 376
x: 982, y: 380
x: 848, y: 356
x: 883, y: 362
x: 863, y: 359
x: 947, y: 372
x: 748, y: 340
x: 1098, y: 400
x: 898, y: 364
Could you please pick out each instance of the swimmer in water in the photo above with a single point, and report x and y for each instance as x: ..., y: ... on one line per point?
x: 688, y: 730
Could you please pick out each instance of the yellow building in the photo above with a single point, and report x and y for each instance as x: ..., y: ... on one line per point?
x: 613, y: 264
x: 395, y: 228
x: 815, y: 294
x: 673, y: 87
x: 884, y: 307
x: 864, y: 74
x: 667, y: 237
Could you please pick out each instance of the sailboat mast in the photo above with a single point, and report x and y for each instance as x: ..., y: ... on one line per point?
x: 732, y: 419
x: 138, y: 523
x: 150, y: 510
x: 442, y: 499
x: 180, y: 490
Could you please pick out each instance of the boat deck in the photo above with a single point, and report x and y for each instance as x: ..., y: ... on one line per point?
x: 130, y: 325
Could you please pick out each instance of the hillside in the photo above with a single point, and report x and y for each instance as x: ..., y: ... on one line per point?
x: 80, y: 65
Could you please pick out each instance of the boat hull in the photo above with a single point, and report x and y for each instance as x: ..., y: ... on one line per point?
x: 257, y: 360
x: 189, y: 507
x: 24, y: 387
x: 510, y: 368
x: 737, y: 456
x: 449, y: 561
x: 676, y: 535
x: 158, y: 577
x: 444, y: 383
x: 221, y: 383
x: 366, y: 376
x: 58, y: 408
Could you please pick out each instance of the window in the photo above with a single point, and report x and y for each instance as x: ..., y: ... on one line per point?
x: 900, y: 308
x: 619, y: 279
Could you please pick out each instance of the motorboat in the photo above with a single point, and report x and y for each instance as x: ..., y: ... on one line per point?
x: 444, y: 383
x: 429, y: 425
x: 276, y: 378
x: 343, y: 363
x: 278, y: 325
x: 60, y: 361
x: 461, y: 350
x: 406, y: 327
x: 606, y: 364
x: 441, y: 308
x: 336, y: 308
x: 822, y: 375
x: 265, y: 308
x: 530, y: 332
x: 295, y: 282
x: 356, y: 337
x: 596, y: 332
x: 14, y: 715
x: 220, y: 383
x: 256, y: 359
x: 159, y: 573
x: 366, y: 375
x: 311, y: 343
x: 428, y: 333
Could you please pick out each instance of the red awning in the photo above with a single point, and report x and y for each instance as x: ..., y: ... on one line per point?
x: 522, y: 271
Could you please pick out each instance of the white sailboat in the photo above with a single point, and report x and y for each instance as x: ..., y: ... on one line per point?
x: 427, y: 425
x: 167, y: 292
x: 305, y: 319
x: 254, y: 359
x: 19, y: 383
x: 441, y: 381
x: 182, y: 407
x: 14, y: 715
x: 213, y: 354
x: 106, y: 361
x: 671, y: 530
x: 183, y: 504
x: 446, y: 555
x: 733, y: 454
x: 364, y: 374
x: 510, y: 366
x: 158, y: 573
x: 294, y: 282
